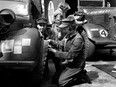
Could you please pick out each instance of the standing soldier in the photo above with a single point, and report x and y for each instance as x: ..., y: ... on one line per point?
x: 72, y: 55
x: 58, y: 16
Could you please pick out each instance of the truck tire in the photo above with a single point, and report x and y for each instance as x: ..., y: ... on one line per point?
x: 38, y: 71
x: 89, y: 46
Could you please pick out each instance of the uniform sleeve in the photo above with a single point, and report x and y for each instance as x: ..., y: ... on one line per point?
x: 57, y: 43
x: 74, y: 51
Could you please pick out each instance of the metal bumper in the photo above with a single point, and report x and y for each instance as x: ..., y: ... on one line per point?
x: 25, y: 65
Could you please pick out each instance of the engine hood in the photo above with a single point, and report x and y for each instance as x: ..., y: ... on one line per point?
x: 95, y: 32
x: 93, y: 26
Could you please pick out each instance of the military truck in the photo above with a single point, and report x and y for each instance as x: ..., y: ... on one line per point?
x: 21, y: 45
x: 100, y: 28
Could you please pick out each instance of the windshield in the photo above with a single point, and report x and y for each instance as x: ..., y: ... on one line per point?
x: 91, y: 3
x: 99, y: 15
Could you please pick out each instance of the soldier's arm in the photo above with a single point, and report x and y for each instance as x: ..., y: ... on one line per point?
x: 56, y: 43
x: 74, y: 50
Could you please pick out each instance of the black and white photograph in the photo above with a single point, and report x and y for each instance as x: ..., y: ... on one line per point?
x: 57, y: 43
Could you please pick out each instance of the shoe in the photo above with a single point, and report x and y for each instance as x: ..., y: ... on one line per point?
x: 85, y: 78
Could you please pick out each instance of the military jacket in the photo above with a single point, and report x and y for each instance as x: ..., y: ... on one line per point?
x: 72, y: 49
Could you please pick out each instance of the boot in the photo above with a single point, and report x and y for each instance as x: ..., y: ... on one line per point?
x: 84, y: 77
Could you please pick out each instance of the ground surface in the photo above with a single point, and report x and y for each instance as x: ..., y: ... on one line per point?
x: 98, y: 77
x: 102, y: 76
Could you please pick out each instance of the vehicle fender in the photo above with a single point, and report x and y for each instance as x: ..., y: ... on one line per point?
x: 93, y: 31
x: 22, y: 45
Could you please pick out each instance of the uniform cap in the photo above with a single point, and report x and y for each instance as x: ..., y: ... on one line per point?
x: 65, y: 22
x: 41, y: 20
x: 64, y: 6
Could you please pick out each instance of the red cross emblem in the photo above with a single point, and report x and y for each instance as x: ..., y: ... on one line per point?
x: 50, y: 12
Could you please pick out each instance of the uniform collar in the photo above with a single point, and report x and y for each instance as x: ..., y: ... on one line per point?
x: 71, y: 35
